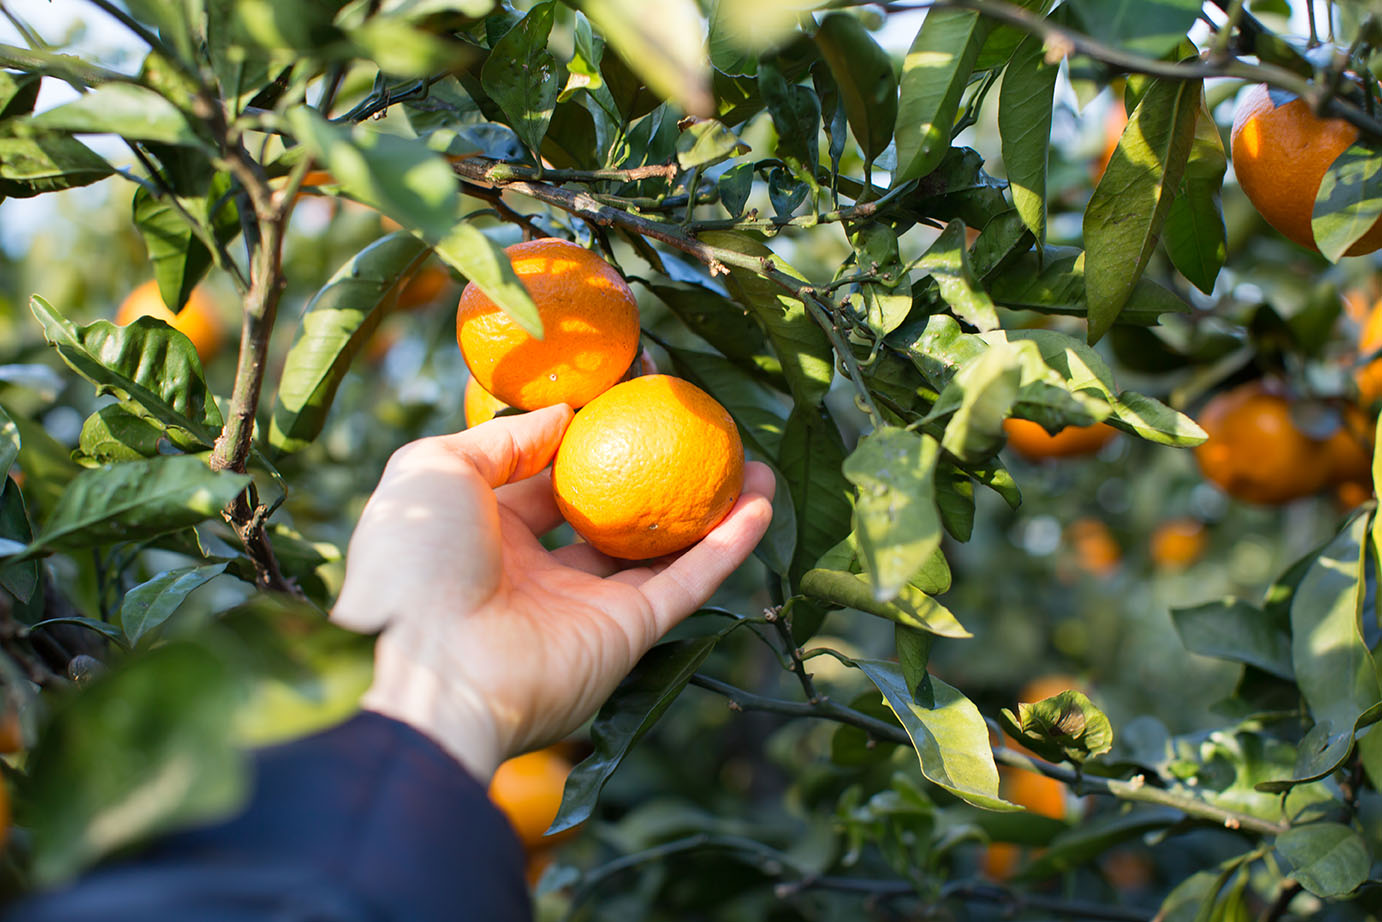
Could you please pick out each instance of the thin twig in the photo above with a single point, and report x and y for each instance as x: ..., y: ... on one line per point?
x: 1284, y: 896
x: 784, y: 633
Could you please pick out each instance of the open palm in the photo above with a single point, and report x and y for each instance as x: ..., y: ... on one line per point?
x: 491, y: 643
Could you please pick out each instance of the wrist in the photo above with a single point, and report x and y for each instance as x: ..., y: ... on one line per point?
x: 409, y: 686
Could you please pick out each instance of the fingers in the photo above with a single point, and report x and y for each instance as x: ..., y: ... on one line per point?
x: 533, y: 502
x: 507, y: 448
x: 687, y: 582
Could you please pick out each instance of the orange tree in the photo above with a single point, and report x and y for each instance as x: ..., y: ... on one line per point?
x: 815, y: 241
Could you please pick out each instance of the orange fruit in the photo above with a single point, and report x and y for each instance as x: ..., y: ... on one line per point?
x: 1177, y: 543
x: 11, y: 731
x: 1033, y: 442
x: 1254, y: 451
x: 1095, y: 548
x: 1281, y: 151
x: 480, y: 405
x: 1351, y: 494
x: 589, y: 321
x: 648, y: 468
x: 424, y: 287
x: 1369, y: 377
x: 197, y: 320
x: 528, y: 790
x: 1348, y: 452
x: 1114, y: 124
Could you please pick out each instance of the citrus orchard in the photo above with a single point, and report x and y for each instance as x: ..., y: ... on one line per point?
x: 648, y: 468
x: 197, y: 320
x: 1032, y: 441
x: 1281, y: 151
x: 589, y: 321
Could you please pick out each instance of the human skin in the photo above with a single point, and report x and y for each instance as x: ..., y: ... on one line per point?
x: 489, y: 643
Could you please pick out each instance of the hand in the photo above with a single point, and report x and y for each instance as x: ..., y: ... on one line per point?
x: 491, y: 644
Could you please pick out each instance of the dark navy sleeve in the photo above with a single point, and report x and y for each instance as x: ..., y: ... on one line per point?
x: 367, y: 822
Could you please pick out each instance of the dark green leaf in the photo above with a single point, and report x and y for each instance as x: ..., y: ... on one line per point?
x: 947, y: 261
x: 864, y: 74
x: 152, y: 369
x: 1024, y: 126
x: 896, y: 526
x: 934, y: 75
x: 1235, y: 631
x: 1327, y: 859
x: 638, y: 703
x: 913, y: 653
x: 126, y: 109
x: 47, y: 162
x: 1057, y: 286
x: 9, y: 443
x: 796, y: 114
x: 151, y: 603
x: 1194, y: 234
x: 20, y: 579
x: 1152, y: 28
x: 156, y: 728
x: 810, y: 458
x: 911, y: 607
x: 136, y: 500
x: 340, y: 319
x: 467, y: 250
x: 785, y: 194
x: 735, y: 184
x: 722, y: 323
x: 801, y: 344
x: 951, y: 738
x: 522, y: 76
x: 1064, y: 727
x: 1128, y: 208
x: 400, y: 177
x: 179, y: 257
x: 18, y: 93
x: 1097, y: 835
x: 113, y: 434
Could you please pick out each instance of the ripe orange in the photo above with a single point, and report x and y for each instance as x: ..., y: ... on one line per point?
x: 1255, y: 452
x: 1177, y: 543
x: 424, y: 287
x: 589, y: 320
x: 1033, y: 442
x: 197, y: 320
x: 1096, y: 549
x: 528, y: 789
x: 480, y: 405
x: 648, y: 468
x: 1348, y: 452
x: 1351, y: 494
x: 1281, y: 151
x: 1369, y: 377
x: 1114, y: 124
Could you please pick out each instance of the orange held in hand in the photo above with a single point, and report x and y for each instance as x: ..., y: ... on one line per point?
x: 528, y: 789
x: 197, y: 320
x: 1033, y: 442
x: 648, y: 468
x: 1281, y: 151
x: 589, y: 321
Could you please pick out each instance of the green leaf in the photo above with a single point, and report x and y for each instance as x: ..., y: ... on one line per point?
x: 1328, y: 859
x: 46, y: 161
x: 20, y: 578
x: 734, y: 185
x: 667, y: 49
x: 467, y: 250
x: 522, y: 76
x: 631, y: 711
x: 18, y: 94
x: 404, y: 50
x: 913, y: 654
x: 1153, y: 29
x: 721, y: 323
x: 155, y: 727
x: 1235, y: 631
x: 950, y: 738
x: 1348, y: 202
x: 147, y: 606
x: 136, y: 500
x: 1095, y: 836
x: 910, y: 608
x: 179, y: 257
x: 1064, y: 727
x: 339, y: 320
x: 400, y: 177
x: 1024, y: 127
x: 152, y: 369
x: 810, y: 458
x: 1128, y: 208
x: 864, y: 74
x: 801, y: 345
x: 947, y: 262
x: 1194, y: 234
x: 981, y: 395
x: 896, y: 525
x: 126, y: 109
x: 9, y: 443
x: 113, y: 434
x: 796, y: 114
x: 707, y: 142
x: 934, y: 75
x: 1333, y: 665
x: 1057, y: 286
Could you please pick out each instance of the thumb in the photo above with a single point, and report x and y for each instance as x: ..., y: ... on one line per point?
x: 509, y: 448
